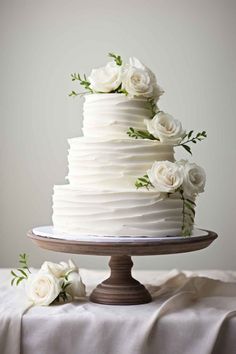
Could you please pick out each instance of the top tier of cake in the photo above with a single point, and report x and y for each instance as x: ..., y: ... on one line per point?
x: 111, y: 115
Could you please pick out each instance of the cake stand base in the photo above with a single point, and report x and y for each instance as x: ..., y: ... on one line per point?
x: 120, y: 288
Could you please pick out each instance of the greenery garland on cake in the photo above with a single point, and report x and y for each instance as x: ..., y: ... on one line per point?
x: 134, y: 79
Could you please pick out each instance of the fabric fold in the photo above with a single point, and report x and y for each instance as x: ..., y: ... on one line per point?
x: 191, y: 313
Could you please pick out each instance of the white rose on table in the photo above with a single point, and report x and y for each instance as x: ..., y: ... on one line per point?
x: 77, y: 287
x: 166, y: 176
x: 194, y: 178
x: 57, y: 269
x: 71, y: 271
x: 106, y: 79
x: 138, y: 80
x: 165, y: 128
x: 43, y: 288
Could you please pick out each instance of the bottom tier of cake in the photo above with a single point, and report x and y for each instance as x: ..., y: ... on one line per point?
x: 124, y: 213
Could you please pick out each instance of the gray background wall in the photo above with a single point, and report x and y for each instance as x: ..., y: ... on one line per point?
x: 189, y: 44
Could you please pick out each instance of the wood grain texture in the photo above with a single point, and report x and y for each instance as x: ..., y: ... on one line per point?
x: 120, y: 288
x: 166, y: 245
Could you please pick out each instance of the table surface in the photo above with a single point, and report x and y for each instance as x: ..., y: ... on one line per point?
x: 191, y: 313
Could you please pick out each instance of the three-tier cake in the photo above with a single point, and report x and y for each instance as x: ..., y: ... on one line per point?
x: 123, y: 177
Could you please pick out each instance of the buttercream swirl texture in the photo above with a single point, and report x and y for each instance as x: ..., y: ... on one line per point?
x: 101, y: 198
x: 111, y: 115
x: 100, y: 164
x: 137, y: 213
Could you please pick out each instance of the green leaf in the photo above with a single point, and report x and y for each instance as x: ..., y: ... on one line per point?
x: 187, y: 148
x: 142, y: 179
x: 12, y: 281
x: 66, y: 285
x: 121, y: 90
x: 22, y: 262
x: 185, y: 232
x: 117, y: 58
x: 198, y: 137
x: 83, y: 82
x: 184, y: 136
x: 62, y: 295
x: 189, y: 206
x: 19, y: 280
x: 191, y: 201
x: 22, y: 272
x: 190, y: 217
x: 73, y: 93
x: 13, y: 273
x: 75, y: 77
x: 190, y: 134
x: 143, y: 182
x: 143, y: 134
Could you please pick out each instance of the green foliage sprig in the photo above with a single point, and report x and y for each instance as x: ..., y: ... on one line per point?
x: 73, y: 93
x: 63, y: 294
x: 22, y: 272
x: 83, y: 82
x: 153, y: 106
x: 143, y: 182
x: 143, y: 134
x: 117, y: 58
x: 188, y: 214
x: 120, y: 90
x: 188, y: 138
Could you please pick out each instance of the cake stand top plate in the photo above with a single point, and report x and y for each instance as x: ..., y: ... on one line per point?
x: 46, y: 237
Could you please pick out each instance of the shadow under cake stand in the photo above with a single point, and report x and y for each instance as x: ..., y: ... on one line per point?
x: 120, y: 288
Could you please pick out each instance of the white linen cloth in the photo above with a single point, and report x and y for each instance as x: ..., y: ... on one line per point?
x: 191, y: 313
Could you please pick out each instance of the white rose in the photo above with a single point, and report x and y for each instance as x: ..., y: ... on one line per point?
x: 138, y: 80
x: 194, y: 178
x: 59, y: 269
x: 42, y: 288
x: 77, y: 287
x: 71, y: 266
x: 164, y: 127
x: 166, y: 176
x: 106, y: 79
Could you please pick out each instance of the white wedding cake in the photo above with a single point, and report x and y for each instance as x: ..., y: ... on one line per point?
x: 123, y: 179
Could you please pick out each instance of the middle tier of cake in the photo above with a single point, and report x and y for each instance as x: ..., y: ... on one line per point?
x: 112, y: 164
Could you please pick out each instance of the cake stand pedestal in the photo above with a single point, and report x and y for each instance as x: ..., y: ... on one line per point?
x: 121, y: 288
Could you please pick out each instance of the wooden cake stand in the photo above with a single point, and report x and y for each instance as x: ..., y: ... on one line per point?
x: 121, y: 288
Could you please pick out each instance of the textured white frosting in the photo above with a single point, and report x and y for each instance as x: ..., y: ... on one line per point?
x: 111, y: 115
x: 101, y: 164
x: 137, y: 213
x: 101, y: 198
